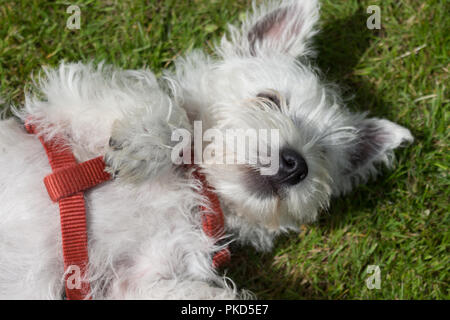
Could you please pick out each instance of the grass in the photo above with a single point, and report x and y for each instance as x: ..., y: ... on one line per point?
x: 400, y: 72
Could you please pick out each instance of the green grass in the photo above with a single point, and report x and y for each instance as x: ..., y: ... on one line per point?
x: 400, y: 222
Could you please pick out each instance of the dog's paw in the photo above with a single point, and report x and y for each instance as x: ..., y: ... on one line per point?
x: 139, y: 150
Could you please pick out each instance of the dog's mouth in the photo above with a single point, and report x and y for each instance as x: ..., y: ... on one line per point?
x: 261, y: 185
x: 292, y: 169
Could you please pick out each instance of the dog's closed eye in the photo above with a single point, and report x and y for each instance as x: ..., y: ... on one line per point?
x: 272, y: 97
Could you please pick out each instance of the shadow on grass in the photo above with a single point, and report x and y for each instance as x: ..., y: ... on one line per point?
x: 341, y: 44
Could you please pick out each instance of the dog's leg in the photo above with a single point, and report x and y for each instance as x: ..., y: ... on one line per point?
x: 31, y: 265
x: 140, y: 146
x: 171, y: 289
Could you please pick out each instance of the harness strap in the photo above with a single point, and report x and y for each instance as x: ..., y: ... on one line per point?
x: 213, y: 220
x: 66, y: 185
x: 67, y: 181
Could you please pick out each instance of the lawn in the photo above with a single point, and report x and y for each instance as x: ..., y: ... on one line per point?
x: 399, y: 223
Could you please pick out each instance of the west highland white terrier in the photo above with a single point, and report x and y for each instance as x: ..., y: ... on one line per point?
x: 144, y: 226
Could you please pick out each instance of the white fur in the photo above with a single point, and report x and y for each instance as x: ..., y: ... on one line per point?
x: 144, y: 227
x: 142, y: 243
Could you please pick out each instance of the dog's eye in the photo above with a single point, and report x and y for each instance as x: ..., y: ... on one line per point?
x: 271, y: 97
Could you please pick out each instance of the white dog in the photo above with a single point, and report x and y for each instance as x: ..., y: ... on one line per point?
x: 144, y: 226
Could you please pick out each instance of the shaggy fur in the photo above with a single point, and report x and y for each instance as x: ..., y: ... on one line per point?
x: 144, y: 227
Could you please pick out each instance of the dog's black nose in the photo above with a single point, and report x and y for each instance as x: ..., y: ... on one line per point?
x: 292, y: 169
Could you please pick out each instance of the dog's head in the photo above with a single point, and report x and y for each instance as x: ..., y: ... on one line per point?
x: 263, y: 81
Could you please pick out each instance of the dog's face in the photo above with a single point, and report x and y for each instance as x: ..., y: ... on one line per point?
x: 259, y: 83
x: 285, y: 106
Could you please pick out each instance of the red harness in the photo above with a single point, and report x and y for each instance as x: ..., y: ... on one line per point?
x: 66, y: 185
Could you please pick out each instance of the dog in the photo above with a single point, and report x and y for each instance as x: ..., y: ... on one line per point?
x: 144, y: 226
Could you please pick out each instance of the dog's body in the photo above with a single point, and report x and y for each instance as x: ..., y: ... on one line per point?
x: 144, y: 227
x: 145, y: 241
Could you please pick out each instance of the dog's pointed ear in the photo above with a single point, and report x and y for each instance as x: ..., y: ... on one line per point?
x: 375, y: 141
x: 276, y: 26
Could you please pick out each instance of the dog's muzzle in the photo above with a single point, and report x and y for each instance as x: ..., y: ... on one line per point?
x: 292, y: 169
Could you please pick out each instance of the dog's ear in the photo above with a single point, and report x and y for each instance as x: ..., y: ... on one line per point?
x: 277, y: 26
x: 375, y: 141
